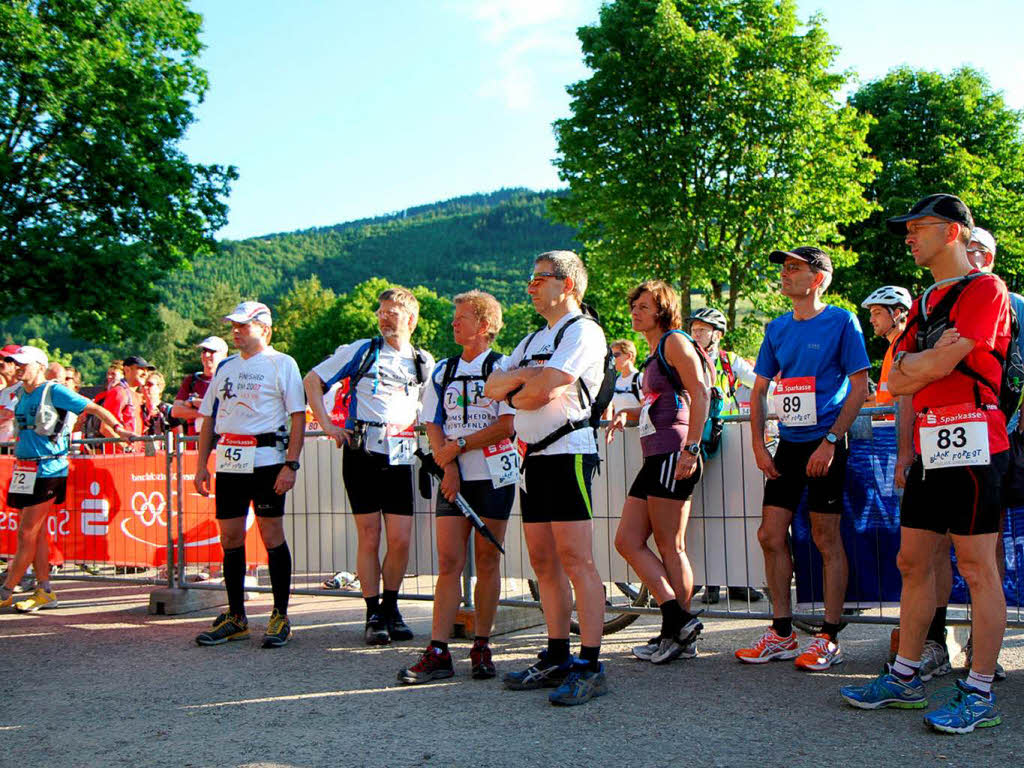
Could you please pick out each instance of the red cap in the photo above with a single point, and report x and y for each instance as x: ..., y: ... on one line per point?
x: 9, y: 350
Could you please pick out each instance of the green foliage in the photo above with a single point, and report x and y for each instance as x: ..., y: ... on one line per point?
x: 95, y: 96
x: 707, y: 136
x: 307, y: 299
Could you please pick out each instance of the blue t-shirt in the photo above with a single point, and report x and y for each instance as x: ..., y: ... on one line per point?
x: 51, y: 452
x: 829, y: 347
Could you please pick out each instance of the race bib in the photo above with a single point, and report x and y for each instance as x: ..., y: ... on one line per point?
x: 645, y: 424
x: 401, y: 445
x: 236, y: 454
x: 502, y: 463
x: 23, y: 477
x: 953, y: 436
x: 795, y: 402
x: 521, y: 451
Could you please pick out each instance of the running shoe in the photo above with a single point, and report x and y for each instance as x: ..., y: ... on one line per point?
x: 279, y: 630
x: 683, y: 645
x: 711, y: 595
x: 770, y: 646
x: 886, y: 690
x: 965, y: 710
x: 934, y: 661
x: 1000, y: 673
x: 434, y: 664
x: 7, y: 602
x: 225, y: 627
x: 820, y: 654
x: 745, y: 593
x: 40, y: 599
x: 480, y: 658
x: 542, y: 674
x: 644, y: 652
x: 580, y: 686
x: 397, y: 628
x: 376, y: 632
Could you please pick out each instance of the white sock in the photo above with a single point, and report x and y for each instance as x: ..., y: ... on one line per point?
x: 980, y: 682
x: 906, y: 667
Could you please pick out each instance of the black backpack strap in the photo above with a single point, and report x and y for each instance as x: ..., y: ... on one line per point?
x: 562, y: 431
x: 372, y: 351
x: 450, y: 366
x: 634, y: 386
x: 420, y: 359
x: 489, y: 362
x: 526, y: 346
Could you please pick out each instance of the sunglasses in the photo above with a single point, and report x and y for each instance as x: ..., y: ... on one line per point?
x: 537, y: 277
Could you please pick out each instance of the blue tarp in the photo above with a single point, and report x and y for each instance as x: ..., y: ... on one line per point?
x: 871, y: 533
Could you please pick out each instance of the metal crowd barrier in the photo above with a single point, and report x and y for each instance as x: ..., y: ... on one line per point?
x: 721, y: 537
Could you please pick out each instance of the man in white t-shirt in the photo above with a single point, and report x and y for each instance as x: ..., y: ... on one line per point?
x: 387, y: 376
x: 550, y: 379
x: 469, y: 437
x: 256, y: 408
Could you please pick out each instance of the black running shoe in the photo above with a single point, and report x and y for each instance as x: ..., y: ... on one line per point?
x: 225, y: 627
x: 397, y: 628
x: 279, y: 630
x: 480, y: 658
x: 543, y: 674
x: 434, y: 664
x: 744, y: 594
x: 377, y: 631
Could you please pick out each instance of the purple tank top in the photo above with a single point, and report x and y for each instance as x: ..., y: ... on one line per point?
x: 669, y: 413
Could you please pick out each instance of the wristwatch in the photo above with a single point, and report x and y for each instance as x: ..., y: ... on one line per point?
x: 897, y: 362
x: 693, y: 448
x: 831, y: 438
x: 293, y: 465
x: 461, y: 442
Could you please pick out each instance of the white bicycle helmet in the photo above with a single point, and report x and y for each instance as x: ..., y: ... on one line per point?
x: 889, y: 296
x: 711, y: 316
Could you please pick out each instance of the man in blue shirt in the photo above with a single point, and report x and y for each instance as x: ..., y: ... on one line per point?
x: 817, y: 353
x: 39, y: 479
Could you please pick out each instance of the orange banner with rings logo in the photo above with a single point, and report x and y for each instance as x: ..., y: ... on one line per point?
x: 117, y: 512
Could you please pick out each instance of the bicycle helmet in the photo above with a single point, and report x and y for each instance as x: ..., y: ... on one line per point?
x: 711, y: 316
x: 889, y: 296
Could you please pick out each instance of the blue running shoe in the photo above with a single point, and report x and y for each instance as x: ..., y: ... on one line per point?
x: 580, y: 686
x: 965, y: 710
x: 886, y: 690
x: 543, y: 674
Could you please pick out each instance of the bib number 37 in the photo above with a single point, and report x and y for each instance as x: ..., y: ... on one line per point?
x: 502, y: 463
x: 795, y: 402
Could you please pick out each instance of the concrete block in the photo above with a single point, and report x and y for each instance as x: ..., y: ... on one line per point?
x: 171, y: 602
x: 507, y: 619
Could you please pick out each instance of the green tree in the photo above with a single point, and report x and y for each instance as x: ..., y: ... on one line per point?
x: 95, y: 96
x: 306, y: 300
x: 707, y: 136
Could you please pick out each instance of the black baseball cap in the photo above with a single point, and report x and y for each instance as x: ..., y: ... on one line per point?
x: 139, y: 362
x: 948, y: 207
x: 816, y: 257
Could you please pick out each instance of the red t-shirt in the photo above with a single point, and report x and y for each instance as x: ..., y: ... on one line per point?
x: 193, y: 384
x: 982, y: 314
x: 125, y: 405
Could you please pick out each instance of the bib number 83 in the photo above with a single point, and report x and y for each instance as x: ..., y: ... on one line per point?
x: 955, y: 438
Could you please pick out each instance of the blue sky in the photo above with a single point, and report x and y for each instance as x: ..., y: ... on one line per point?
x: 334, y: 110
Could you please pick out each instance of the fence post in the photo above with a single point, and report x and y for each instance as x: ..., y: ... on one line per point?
x: 168, y: 509
x: 179, y: 471
x: 468, y: 572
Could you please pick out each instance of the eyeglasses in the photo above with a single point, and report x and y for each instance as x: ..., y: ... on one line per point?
x: 390, y: 314
x: 618, y: 354
x: 537, y: 277
x: 913, y: 229
x: 978, y: 250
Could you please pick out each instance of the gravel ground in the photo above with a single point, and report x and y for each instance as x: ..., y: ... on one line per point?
x: 100, y: 682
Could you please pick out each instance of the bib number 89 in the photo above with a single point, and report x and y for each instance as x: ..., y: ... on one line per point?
x: 791, y: 404
x: 956, y: 438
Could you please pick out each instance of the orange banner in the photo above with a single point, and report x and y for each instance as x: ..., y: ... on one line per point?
x: 116, y: 512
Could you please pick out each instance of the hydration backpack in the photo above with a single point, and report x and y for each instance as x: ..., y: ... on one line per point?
x: 50, y: 421
x: 452, y: 364
x: 598, y: 402
x: 370, y: 354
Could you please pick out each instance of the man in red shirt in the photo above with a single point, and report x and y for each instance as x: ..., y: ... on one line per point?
x: 125, y: 400
x: 212, y: 350
x: 952, y: 455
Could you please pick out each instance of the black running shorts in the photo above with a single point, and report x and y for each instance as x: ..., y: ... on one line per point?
x: 657, y: 478
x: 486, y: 500
x: 558, y: 488
x: 373, y: 485
x: 963, y: 501
x: 824, y: 494
x: 46, y: 489
x: 235, y: 491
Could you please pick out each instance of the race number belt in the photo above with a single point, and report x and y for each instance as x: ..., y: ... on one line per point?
x: 401, y: 445
x: 236, y: 454
x: 646, y: 426
x: 795, y: 402
x: 953, y: 436
x: 502, y: 463
x: 23, y: 476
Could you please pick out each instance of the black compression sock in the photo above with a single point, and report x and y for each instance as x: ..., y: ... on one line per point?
x: 389, y: 602
x: 279, y: 562
x: 783, y: 627
x: 443, y: 647
x: 589, y: 654
x: 372, y: 605
x: 558, y: 650
x: 937, y: 630
x: 832, y: 630
x: 481, y: 639
x: 672, y: 618
x: 234, y: 579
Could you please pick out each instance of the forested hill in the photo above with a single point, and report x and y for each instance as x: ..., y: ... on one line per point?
x: 481, y: 241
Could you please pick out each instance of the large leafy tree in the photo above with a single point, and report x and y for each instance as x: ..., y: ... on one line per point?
x: 937, y: 133
x: 97, y: 200
x: 707, y: 136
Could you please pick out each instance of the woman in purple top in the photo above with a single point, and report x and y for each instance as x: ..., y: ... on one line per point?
x: 671, y: 420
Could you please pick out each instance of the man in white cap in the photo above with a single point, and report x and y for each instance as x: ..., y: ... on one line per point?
x: 256, y: 408
x: 44, y: 416
x: 212, y: 350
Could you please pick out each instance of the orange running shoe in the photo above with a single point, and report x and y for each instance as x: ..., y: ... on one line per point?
x: 820, y: 654
x: 769, y: 647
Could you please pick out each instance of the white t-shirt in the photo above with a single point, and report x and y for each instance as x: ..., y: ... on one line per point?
x: 580, y: 354
x: 445, y: 410
x: 624, y: 396
x: 387, y: 394
x: 8, y: 399
x: 256, y: 396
